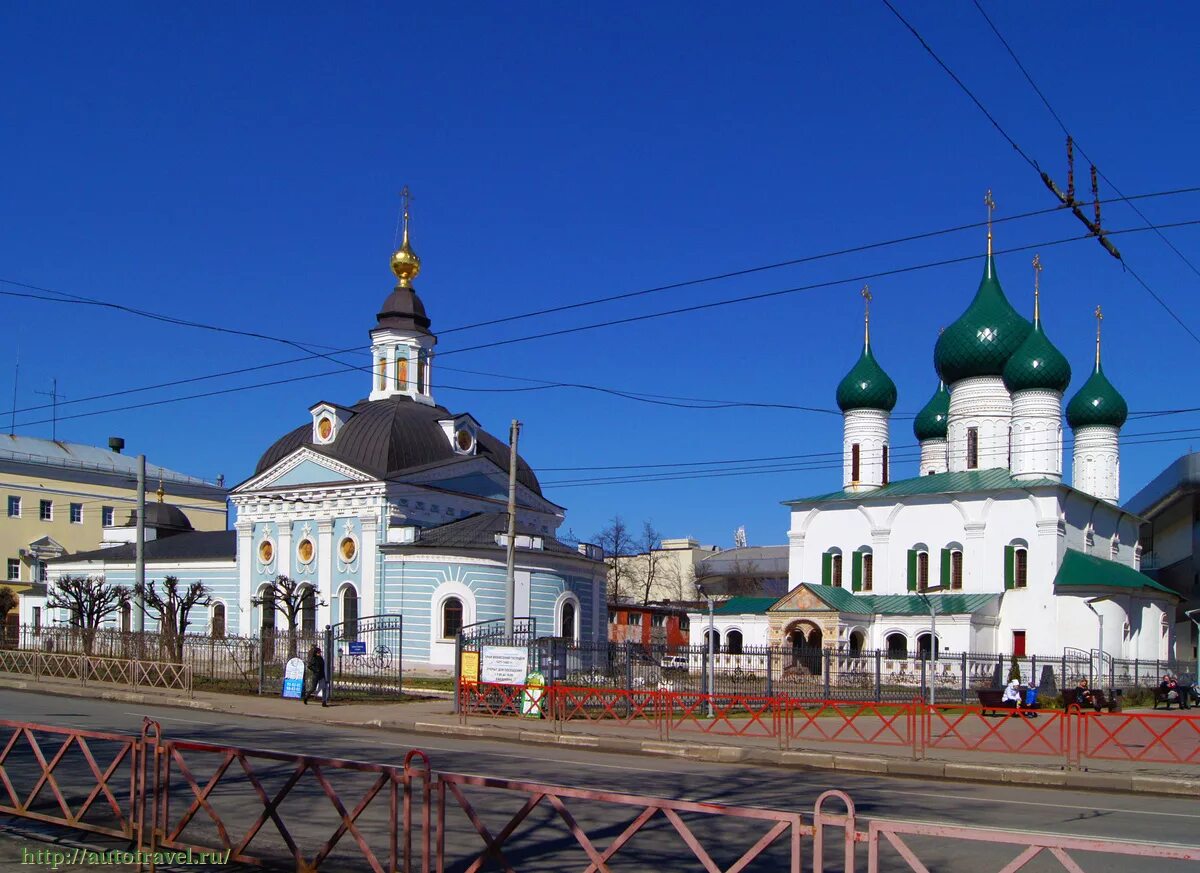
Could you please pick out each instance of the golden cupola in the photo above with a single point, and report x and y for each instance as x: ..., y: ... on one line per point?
x: 405, y: 263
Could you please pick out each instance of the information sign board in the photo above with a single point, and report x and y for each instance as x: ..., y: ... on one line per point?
x: 293, y: 679
x: 358, y: 647
x: 504, y: 665
x: 468, y: 671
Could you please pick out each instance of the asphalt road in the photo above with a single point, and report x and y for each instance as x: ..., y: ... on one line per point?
x: 543, y: 843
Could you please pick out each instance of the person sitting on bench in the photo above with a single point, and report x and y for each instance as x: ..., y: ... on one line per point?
x: 1173, y: 691
x: 1085, y: 696
x: 1012, y: 695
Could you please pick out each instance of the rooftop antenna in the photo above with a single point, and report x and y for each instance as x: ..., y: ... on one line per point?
x: 54, y: 398
x: 12, y: 425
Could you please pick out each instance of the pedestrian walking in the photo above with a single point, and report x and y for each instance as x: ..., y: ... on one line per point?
x: 315, y: 678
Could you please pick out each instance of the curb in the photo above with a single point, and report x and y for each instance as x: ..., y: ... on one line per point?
x: 807, y: 759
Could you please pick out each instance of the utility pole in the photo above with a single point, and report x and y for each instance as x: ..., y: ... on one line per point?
x: 139, y: 572
x: 510, y: 576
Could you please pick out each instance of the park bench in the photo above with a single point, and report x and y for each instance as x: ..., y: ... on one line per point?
x: 1110, y: 700
x: 1161, y: 696
x: 990, y: 699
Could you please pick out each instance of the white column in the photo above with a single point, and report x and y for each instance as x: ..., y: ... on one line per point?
x: 975, y: 557
x: 881, y: 563
x: 795, y: 558
x: 982, y: 403
x: 1037, y: 435
x: 1096, y: 462
x: 933, y: 457
x: 868, y: 429
x: 245, y: 564
x: 369, y: 543
x: 283, y: 548
x: 325, y: 581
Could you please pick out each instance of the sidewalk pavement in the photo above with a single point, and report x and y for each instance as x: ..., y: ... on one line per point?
x: 435, y: 716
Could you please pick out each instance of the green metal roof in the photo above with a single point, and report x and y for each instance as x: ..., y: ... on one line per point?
x: 984, y: 337
x: 1097, y: 402
x: 994, y: 479
x: 1037, y: 364
x: 867, y: 604
x: 866, y: 386
x: 745, y: 606
x: 1088, y: 571
x: 933, y: 420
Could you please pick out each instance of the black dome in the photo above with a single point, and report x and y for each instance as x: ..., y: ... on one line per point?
x: 162, y: 516
x: 385, y: 437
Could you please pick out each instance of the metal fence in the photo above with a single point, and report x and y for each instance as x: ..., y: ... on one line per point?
x: 826, y: 673
x: 243, y: 664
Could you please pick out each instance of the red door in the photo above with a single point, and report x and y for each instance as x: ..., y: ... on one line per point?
x: 1018, y: 647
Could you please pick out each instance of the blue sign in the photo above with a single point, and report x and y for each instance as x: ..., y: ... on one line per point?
x: 293, y: 679
x: 358, y: 648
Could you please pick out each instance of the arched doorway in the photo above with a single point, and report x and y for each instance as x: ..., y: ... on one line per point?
x: 923, y: 646
x: 804, y: 640
x: 857, y: 641
x: 897, y: 646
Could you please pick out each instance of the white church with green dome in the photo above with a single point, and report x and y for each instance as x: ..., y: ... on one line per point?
x: 987, y: 531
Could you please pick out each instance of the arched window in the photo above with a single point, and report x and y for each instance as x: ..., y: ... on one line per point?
x: 831, y: 568
x: 918, y: 567
x: 855, y: 462
x: 923, y: 646
x: 401, y: 371
x: 216, y: 621
x: 349, y: 613
x: 896, y: 645
x: 308, y: 610
x: 712, y: 640
x: 452, y: 617
x: 1016, y: 564
x: 862, y: 569
x: 382, y: 373
x: 857, y: 640
x: 733, y: 642
x: 268, y: 609
x: 567, y: 622
x: 972, y: 448
x: 886, y: 477
x: 956, y: 569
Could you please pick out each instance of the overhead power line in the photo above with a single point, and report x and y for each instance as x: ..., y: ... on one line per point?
x: 1094, y: 227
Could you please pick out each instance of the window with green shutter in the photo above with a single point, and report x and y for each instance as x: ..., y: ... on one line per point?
x: 856, y: 566
x: 945, y: 579
x: 1009, y: 566
x: 826, y: 568
x: 912, y: 569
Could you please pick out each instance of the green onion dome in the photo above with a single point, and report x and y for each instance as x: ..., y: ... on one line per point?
x: 984, y: 337
x: 1037, y: 364
x: 866, y: 386
x: 1097, y: 403
x: 931, y: 422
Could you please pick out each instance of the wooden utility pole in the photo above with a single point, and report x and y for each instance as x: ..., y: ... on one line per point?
x: 510, y: 576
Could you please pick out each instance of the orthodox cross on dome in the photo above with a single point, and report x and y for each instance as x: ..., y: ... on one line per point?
x: 405, y: 263
x: 1037, y: 273
x: 406, y: 200
x: 991, y: 205
x: 866, y: 295
x: 1099, y: 320
x: 161, y: 492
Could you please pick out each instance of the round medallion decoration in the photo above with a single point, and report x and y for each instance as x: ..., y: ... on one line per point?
x: 464, y: 439
x: 325, y: 428
x: 266, y: 551
x: 348, y: 549
x: 305, y: 551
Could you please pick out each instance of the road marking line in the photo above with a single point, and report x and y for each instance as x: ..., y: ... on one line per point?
x: 174, y: 718
x: 961, y: 798
x: 521, y: 757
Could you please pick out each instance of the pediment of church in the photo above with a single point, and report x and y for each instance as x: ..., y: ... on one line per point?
x: 801, y: 599
x: 305, y: 467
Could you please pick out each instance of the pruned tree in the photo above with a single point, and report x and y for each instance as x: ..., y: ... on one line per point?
x: 617, y: 543
x: 289, y: 596
x: 88, y: 600
x: 650, y: 559
x: 170, y: 607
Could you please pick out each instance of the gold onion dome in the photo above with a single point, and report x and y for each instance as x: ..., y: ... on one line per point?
x: 405, y: 263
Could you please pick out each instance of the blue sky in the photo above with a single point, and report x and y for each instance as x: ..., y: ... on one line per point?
x: 239, y: 165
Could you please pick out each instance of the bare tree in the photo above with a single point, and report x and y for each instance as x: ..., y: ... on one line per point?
x: 650, y: 560
x: 617, y: 544
x: 739, y: 577
x: 170, y: 608
x: 674, y: 582
x: 88, y: 600
x: 290, y: 597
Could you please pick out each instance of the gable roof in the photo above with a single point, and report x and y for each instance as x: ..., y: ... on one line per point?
x: 994, y: 479
x: 479, y: 531
x: 864, y: 604
x: 1079, y: 570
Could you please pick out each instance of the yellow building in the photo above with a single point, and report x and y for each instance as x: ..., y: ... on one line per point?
x: 61, y: 498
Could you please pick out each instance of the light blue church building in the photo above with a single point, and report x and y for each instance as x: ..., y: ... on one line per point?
x: 391, y: 505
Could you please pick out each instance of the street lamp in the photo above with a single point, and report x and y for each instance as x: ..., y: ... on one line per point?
x: 933, y: 644
x: 1099, y: 638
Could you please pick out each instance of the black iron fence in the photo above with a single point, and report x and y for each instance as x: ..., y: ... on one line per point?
x: 362, y: 659
x: 818, y: 673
